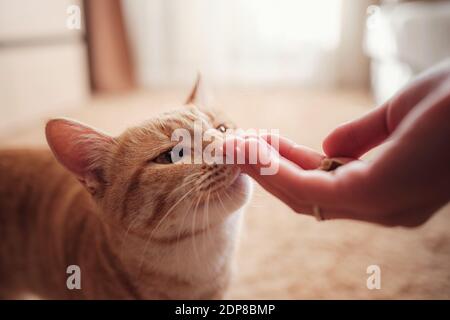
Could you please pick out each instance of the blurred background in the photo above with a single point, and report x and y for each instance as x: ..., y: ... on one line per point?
x: 299, y: 66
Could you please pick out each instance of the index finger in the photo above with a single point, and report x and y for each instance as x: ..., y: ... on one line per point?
x: 303, y: 156
x: 289, y: 178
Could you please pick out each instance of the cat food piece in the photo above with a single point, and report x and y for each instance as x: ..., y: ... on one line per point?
x: 330, y: 164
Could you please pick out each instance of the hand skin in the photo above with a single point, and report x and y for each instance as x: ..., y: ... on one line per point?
x: 404, y: 185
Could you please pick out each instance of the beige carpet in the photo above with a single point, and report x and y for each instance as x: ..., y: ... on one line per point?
x: 283, y: 255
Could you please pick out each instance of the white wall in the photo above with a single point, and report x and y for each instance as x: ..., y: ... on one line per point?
x: 43, y: 64
x: 248, y: 42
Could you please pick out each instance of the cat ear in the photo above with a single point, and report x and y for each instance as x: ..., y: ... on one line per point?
x: 81, y: 149
x: 198, y: 94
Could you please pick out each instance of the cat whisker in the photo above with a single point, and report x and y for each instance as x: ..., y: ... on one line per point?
x: 176, y: 203
x: 180, y: 229
x: 253, y: 203
x: 221, y: 202
x: 157, y: 226
x: 193, y: 229
x: 229, y: 197
x: 207, y: 215
x: 188, y: 181
x: 125, y: 237
x: 170, y: 210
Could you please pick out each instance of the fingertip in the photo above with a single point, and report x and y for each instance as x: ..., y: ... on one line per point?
x: 331, y: 143
x: 232, y: 148
x: 345, y: 141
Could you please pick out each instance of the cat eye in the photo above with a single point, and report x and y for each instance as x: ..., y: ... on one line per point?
x: 222, y: 128
x: 168, y: 157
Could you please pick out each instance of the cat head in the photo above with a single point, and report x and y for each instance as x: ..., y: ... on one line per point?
x: 135, y: 180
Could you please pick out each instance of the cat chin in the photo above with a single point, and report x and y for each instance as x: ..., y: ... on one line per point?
x: 241, y: 188
x: 231, y: 198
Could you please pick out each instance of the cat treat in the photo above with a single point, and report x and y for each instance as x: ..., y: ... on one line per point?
x: 330, y: 164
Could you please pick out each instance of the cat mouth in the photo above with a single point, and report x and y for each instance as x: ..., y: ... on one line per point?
x: 231, y: 196
x: 222, y: 184
x: 239, y: 179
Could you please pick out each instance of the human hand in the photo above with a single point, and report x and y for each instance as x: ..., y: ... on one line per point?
x: 404, y: 185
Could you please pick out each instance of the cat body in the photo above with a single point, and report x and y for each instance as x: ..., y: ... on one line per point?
x: 137, y: 225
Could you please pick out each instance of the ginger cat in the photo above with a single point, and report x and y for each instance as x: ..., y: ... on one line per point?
x: 138, y: 225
